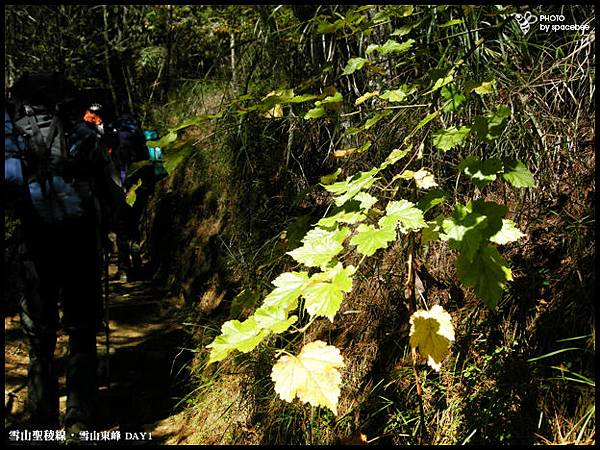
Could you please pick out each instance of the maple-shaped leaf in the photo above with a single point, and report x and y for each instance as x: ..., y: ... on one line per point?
x: 432, y: 333
x: 404, y: 213
x: 517, y: 174
x: 324, y: 291
x: 272, y: 318
x: 320, y: 246
x: 487, y: 273
x: 370, y: 239
x: 448, y: 139
x: 235, y: 335
x: 345, y: 190
x: 312, y: 376
x: 288, y: 286
x: 366, y: 200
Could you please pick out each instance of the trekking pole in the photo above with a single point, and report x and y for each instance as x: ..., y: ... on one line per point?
x: 106, y: 317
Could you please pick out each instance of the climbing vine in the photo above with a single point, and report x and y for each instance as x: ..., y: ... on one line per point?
x: 364, y: 220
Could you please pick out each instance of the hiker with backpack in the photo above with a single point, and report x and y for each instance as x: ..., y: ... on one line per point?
x: 55, y: 165
x: 129, y: 148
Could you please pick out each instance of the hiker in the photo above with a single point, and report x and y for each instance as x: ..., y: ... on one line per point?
x: 129, y: 148
x: 56, y: 164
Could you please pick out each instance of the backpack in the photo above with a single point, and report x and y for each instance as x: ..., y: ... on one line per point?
x: 131, y: 140
x: 42, y: 160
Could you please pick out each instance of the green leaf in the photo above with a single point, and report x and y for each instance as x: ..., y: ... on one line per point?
x: 431, y: 199
x: 335, y: 98
x: 390, y: 46
x: 404, y: 213
x: 451, y: 23
x: 517, y: 174
x: 424, y: 122
x: 376, y: 118
x: 483, y: 88
x: 370, y: 239
x: 402, y: 31
x: 345, y: 190
x: 341, y: 217
x: 487, y: 273
x: 353, y: 65
x: 366, y: 200
x: 274, y: 319
x: 472, y: 225
x: 447, y: 139
x: 131, y: 196
x: 432, y: 231
x: 398, y: 95
x: 287, y: 290
x: 323, y: 293
x: 235, y: 335
x: 508, y: 233
x: 328, y: 179
x: 320, y: 246
x: 453, y: 98
x: 481, y: 172
x: 442, y: 81
x: 315, y: 113
x: 490, y: 126
x: 395, y: 156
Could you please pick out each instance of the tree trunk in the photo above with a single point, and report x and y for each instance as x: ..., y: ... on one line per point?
x: 107, y: 61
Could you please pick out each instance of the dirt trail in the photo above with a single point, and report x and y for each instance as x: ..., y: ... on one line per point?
x: 145, y: 364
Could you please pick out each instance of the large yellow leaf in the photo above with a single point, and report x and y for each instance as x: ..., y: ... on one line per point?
x: 312, y: 376
x: 432, y: 333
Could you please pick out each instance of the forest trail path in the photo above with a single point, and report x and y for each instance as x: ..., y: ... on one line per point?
x: 146, y: 364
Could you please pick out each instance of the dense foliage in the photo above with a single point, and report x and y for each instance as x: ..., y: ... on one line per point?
x: 396, y: 160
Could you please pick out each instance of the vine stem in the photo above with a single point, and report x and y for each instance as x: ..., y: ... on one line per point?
x: 412, y: 306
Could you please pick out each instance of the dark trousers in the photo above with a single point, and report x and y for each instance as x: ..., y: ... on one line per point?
x: 62, y: 273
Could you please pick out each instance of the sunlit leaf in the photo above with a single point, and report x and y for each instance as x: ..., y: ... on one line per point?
x: 315, y: 113
x: 346, y: 190
x: 324, y: 291
x: 312, y: 376
x: 517, y: 174
x: 319, y: 247
x: 448, y: 139
x: 363, y: 98
x: 369, y: 239
x: 235, y: 335
x: 403, y: 213
x: 508, y: 233
x: 287, y: 290
x: 432, y: 333
x: 481, y: 172
x: 274, y: 319
x: 353, y: 65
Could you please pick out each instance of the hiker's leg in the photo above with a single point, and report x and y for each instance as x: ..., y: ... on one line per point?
x: 82, y: 319
x: 39, y: 320
x: 82, y: 382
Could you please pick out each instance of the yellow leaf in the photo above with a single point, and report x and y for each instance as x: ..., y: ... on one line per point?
x: 275, y: 112
x: 424, y: 179
x: 312, y: 376
x: 432, y: 333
